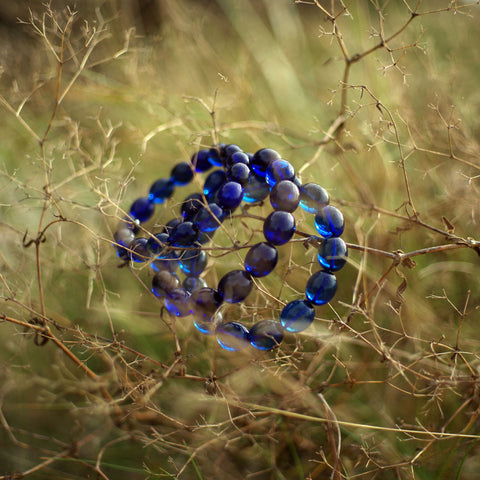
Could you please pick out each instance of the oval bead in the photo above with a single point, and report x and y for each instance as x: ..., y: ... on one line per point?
x: 181, y: 173
x: 266, y: 335
x: 124, y: 237
x: 142, y: 209
x: 230, y: 195
x: 238, y: 157
x: 158, y: 242
x: 183, y: 235
x: 297, y: 316
x: 332, y: 253
x: 163, y: 282
x: 256, y: 189
x: 161, y: 190
x: 239, y: 172
x: 321, y: 287
x: 208, y: 327
x: 235, y: 286
x: 232, y: 336
x: 262, y: 159
x: 209, y: 219
x: 193, y: 262
x: 204, y: 303
x: 213, y: 183
x: 140, y: 251
x: 193, y: 283
x: 177, y: 302
x: 285, y: 196
x: 200, y: 161
x: 170, y: 224
x: 279, y: 227
x: 279, y: 170
x: 261, y: 259
x: 191, y: 206
x: 329, y: 222
x: 313, y: 197
x: 214, y: 155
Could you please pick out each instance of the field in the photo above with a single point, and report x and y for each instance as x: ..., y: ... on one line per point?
x: 378, y: 102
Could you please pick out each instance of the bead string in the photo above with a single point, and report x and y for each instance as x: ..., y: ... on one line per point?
x: 242, y: 177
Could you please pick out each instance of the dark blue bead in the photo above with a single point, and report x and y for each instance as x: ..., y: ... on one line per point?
x: 163, y: 282
x: 208, y: 219
x: 191, y: 205
x: 332, y: 253
x: 158, y: 242
x: 262, y: 158
x: 227, y: 151
x: 297, y: 316
x: 261, y: 259
x: 239, y: 172
x: 279, y: 227
x: 140, y: 251
x: 285, y: 196
x: 235, y: 286
x: 266, y: 334
x: 193, y: 262
x: 200, y: 160
x: 256, y: 189
x: 313, y: 197
x: 170, y: 224
x: 232, y: 336
x: 205, y: 237
x: 182, y: 173
x: 329, y: 222
x: 204, y: 303
x: 230, y: 195
x: 214, y: 155
x: 161, y: 190
x: 213, y: 182
x: 184, y: 234
x: 321, y: 287
x: 279, y: 170
x: 142, y: 209
x: 193, y: 283
x: 177, y: 302
x: 237, y: 157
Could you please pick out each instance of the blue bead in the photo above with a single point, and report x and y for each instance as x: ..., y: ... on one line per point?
x: 261, y: 259
x: 279, y: 227
x: 332, y: 254
x: 157, y: 243
x: 235, y: 286
x: 193, y: 283
x: 208, y: 219
x: 177, y: 302
x: 200, y: 160
x: 124, y: 237
x: 170, y: 224
x: 313, y: 197
x: 329, y: 222
x: 279, y: 170
x: 181, y: 173
x: 232, y: 336
x: 256, y: 189
x: 161, y: 190
x: 213, y: 182
x: 321, y: 287
x: 140, y: 251
x: 227, y: 151
x: 297, y: 316
x: 204, y: 303
x: 208, y: 327
x: 193, y: 262
x: 230, y: 195
x: 166, y: 258
x: 239, y: 172
x: 214, y: 155
x: 163, y: 282
x: 238, y: 157
x: 262, y: 158
x: 266, y: 334
x: 191, y: 205
x: 183, y: 235
x: 142, y: 209
x: 285, y: 196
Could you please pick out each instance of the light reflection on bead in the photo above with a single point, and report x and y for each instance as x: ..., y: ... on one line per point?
x: 232, y: 336
x: 279, y: 227
x: 321, y: 287
x: 266, y: 335
x: 297, y: 316
x: 313, y: 197
x: 332, y: 253
x: 329, y: 222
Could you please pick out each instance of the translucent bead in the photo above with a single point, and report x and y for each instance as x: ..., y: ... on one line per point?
x: 204, y: 303
x: 238, y: 157
x: 261, y: 259
x: 235, y: 286
x: 329, y: 222
x: 208, y: 219
x: 214, y: 155
x: 193, y: 283
x: 279, y: 227
x: 208, y: 327
x: 285, y: 196
x: 262, y: 158
x: 213, y: 183
x: 239, y: 172
x: 166, y: 261
x: 140, y: 251
x: 181, y: 173
x: 191, y: 205
x: 142, y: 209
x: 266, y: 334
x: 157, y: 243
x: 228, y: 151
x: 313, y: 197
x: 256, y: 189
x: 177, y: 302
x: 183, y: 235
x: 297, y: 316
x: 200, y: 160
x: 230, y: 195
x: 279, y: 170
x: 193, y: 262
x: 321, y: 287
x: 232, y: 336
x: 163, y: 282
x: 161, y: 190
x: 332, y: 253
x: 124, y: 237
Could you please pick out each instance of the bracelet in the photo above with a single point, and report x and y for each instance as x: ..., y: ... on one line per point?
x: 240, y: 177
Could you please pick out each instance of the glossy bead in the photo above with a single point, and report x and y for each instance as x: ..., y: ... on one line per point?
x: 193, y: 262
x: 238, y: 157
x: 213, y: 182
x: 329, y: 222
x: 313, y: 197
x: 279, y: 227
x: 332, y: 253
x: 157, y: 243
x: 193, y: 283
x: 321, y: 287
x: 163, y: 282
x: 181, y: 173
x: 170, y: 224
x: 183, y: 235
x: 177, y: 302
x: 161, y: 190
x: 261, y: 259
x: 285, y: 196
x: 262, y: 158
x: 214, y: 155
x: 256, y: 189
x: 140, y: 251
x: 142, y: 209
x: 204, y: 303
x: 200, y: 160
x: 266, y: 334
x: 235, y: 286
x: 228, y: 151
x: 232, y: 336
x: 208, y: 327
x: 124, y: 237
x: 297, y: 316
x: 230, y: 195
x: 208, y: 219
x: 191, y: 205
x: 239, y: 172
x: 166, y: 261
x: 279, y: 170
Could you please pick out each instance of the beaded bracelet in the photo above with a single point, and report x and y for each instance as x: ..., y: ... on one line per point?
x: 241, y: 177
